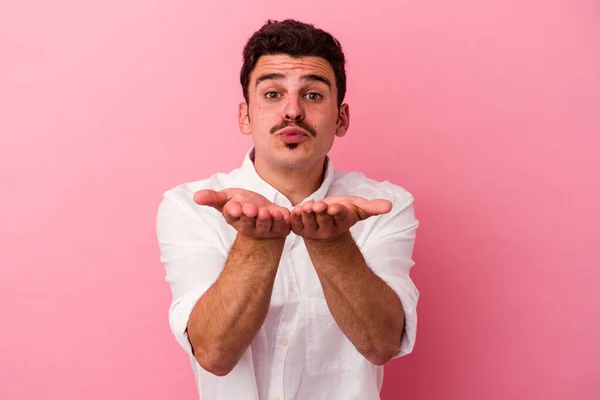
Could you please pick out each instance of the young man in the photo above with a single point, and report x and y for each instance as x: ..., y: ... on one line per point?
x: 290, y: 279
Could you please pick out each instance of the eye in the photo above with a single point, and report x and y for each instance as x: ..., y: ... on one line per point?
x: 313, y: 96
x: 272, y: 95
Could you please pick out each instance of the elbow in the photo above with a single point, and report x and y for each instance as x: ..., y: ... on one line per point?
x: 215, y: 362
x: 211, y: 358
x: 380, y: 356
x: 211, y: 355
x: 384, y: 351
x: 216, y: 368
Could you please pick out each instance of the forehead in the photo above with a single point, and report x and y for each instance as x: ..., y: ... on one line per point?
x: 292, y: 67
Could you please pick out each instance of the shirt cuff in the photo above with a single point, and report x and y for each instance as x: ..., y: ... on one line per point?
x: 409, y: 295
x: 179, y: 315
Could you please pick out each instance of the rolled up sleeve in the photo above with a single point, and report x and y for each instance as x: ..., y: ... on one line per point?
x: 188, y: 242
x: 388, y: 252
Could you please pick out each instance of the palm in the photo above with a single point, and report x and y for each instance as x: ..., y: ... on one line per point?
x: 248, y: 212
x: 334, y: 215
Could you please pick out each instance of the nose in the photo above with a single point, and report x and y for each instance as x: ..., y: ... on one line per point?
x: 293, y: 110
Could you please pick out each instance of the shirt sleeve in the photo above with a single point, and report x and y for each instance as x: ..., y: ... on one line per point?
x: 388, y: 252
x: 188, y: 243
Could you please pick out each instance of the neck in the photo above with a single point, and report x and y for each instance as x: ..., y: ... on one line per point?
x: 294, y: 183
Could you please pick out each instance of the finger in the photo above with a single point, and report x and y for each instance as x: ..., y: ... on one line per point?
x: 275, y: 213
x: 248, y: 218
x: 285, y: 215
x: 232, y: 211
x: 277, y: 218
x: 324, y: 220
x: 296, y: 221
x: 319, y: 207
x: 286, y: 219
x: 211, y: 198
x: 263, y: 220
x: 277, y: 223
x: 308, y: 206
x: 335, y: 208
x: 249, y: 210
x: 342, y: 216
x: 309, y: 219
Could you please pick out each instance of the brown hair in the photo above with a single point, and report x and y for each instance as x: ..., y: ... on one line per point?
x: 295, y: 39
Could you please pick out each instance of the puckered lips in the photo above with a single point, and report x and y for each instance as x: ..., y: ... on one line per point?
x: 293, y: 134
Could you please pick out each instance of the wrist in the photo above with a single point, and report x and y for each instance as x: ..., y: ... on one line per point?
x: 338, y: 240
x: 259, y: 243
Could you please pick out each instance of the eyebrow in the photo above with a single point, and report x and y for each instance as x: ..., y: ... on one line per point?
x: 278, y: 76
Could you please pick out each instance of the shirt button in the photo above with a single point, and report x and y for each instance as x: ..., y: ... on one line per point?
x: 276, y: 398
x: 284, y: 341
x: 291, y: 287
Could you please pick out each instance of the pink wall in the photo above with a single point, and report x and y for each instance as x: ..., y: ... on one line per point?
x: 487, y: 111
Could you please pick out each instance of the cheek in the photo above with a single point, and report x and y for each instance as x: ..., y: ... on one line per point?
x: 327, y: 115
x: 325, y: 122
x: 263, y: 117
x: 263, y: 110
x: 257, y: 112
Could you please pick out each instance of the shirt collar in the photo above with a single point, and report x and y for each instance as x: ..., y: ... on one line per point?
x: 252, y: 181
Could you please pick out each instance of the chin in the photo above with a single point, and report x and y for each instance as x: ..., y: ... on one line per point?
x: 293, y: 157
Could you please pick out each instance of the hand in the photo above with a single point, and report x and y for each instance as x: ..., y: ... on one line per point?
x: 248, y: 212
x: 334, y: 216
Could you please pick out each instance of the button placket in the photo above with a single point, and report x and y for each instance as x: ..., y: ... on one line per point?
x: 286, y: 326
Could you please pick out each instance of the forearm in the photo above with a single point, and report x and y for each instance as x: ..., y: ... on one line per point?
x: 366, y: 309
x: 228, y: 315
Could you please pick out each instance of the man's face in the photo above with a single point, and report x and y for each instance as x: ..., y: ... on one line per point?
x: 292, y: 113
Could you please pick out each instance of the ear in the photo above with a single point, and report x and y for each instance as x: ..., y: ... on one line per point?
x: 244, y: 119
x: 343, y: 121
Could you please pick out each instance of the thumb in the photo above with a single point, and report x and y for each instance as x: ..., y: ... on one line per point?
x: 211, y: 198
x: 374, y: 207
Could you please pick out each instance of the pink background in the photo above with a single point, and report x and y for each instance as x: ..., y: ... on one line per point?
x: 487, y: 111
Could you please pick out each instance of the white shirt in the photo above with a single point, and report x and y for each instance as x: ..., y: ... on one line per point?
x: 299, y: 352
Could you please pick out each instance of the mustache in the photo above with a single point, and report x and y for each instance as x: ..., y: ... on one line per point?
x: 299, y: 124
